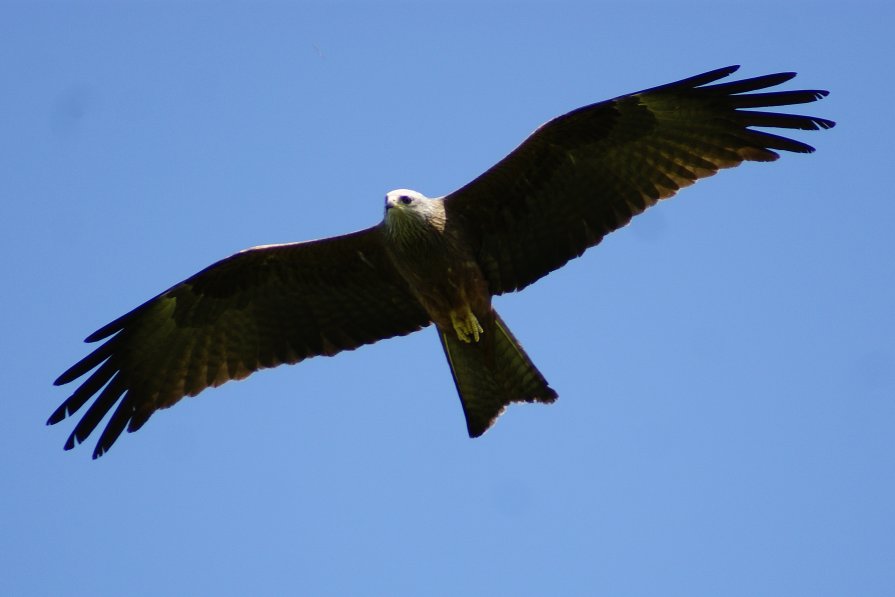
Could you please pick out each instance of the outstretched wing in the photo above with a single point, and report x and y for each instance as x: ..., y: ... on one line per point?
x: 588, y: 172
x: 259, y: 308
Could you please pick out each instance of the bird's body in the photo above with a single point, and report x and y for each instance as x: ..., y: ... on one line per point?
x: 433, y: 258
x: 574, y: 180
x: 489, y: 366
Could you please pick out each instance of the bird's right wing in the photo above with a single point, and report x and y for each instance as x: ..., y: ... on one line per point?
x: 259, y: 308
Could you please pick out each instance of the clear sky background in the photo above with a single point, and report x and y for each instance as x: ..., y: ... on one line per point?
x: 725, y: 365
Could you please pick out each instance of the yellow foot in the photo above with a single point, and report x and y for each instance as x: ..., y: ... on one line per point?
x: 466, y: 327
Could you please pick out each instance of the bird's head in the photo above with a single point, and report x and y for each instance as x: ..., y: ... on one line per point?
x: 405, y: 202
x: 408, y: 211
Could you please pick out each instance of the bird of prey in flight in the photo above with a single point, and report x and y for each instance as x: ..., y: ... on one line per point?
x: 575, y: 179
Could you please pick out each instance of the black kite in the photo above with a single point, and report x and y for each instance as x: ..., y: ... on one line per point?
x: 574, y: 180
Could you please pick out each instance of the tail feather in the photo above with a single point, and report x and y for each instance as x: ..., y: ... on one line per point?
x: 492, y: 373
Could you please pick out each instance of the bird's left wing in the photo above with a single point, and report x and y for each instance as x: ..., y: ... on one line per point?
x: 588, y: 172
x: 256, y: 309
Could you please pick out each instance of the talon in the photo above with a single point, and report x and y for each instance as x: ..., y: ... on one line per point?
x: 467, y: 326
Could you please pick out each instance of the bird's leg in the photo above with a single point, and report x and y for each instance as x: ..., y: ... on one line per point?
x: 466, y: 325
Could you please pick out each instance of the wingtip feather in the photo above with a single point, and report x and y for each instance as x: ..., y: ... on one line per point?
x: 103, y: 332
x: 694, y: 81
x: 58, y: 415
x: 67, y: 376
x: 708, y: 77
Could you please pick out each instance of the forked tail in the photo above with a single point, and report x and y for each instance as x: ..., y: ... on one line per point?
x: 491, y: 373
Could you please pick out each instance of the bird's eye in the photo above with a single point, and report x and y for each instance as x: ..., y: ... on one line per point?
x: 405, y: 200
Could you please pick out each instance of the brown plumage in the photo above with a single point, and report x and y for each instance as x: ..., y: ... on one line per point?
x: 574, y: 180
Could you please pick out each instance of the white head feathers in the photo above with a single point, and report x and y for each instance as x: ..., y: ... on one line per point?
x: 407, y: 210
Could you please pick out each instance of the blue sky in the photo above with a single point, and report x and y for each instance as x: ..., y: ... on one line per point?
x: 725, y: 365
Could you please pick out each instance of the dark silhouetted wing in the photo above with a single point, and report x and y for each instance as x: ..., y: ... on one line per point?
x: 588, y: 172
x: 259, y: 308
